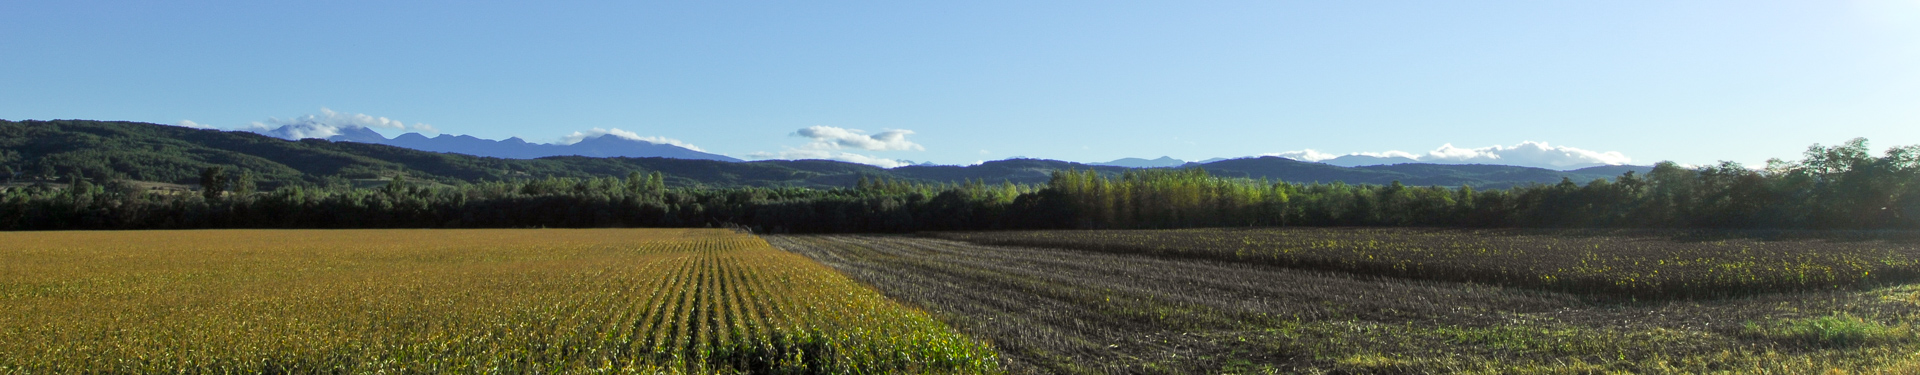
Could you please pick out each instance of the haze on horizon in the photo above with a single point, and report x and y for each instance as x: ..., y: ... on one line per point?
x: 880, y: 83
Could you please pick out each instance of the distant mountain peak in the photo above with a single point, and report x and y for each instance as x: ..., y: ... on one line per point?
x: 1162, y: 162
x: 600, y: 146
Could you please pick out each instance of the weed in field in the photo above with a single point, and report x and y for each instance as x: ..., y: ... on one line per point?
x: 1831, y: 330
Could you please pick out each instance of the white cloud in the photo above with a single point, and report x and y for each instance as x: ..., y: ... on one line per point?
x: 1389, y: 154
x: 191, y: 124
x: 329, y: 123
x: 1529, y: 153
x: 1526, y: 154
x: 871, y: 160
x: 801, y: 154
x: 349, y: 120
x: 576, y: 137
x: 292, y: 131
x: 1303, y: 155
x: 828, y: 140
x: 828, y: 137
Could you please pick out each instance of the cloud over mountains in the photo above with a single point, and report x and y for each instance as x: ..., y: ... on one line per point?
x: 1525, y: 154
x: 863, y: 147
x: 327, y: 124
x: 354, y: 127
x: 827, y: 141
x: 576, y: 137
x: 828, y: 137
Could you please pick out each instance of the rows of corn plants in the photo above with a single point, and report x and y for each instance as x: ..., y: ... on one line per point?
x: 437, y: 301
x: 1633, y: 264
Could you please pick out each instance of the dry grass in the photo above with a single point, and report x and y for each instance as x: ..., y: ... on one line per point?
x: 1637, y: 264
x: 435, y: 301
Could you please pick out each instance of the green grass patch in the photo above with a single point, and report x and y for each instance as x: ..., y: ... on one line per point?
x: 1831, y: 330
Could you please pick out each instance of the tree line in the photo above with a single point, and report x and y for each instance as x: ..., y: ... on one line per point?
x: 1832, y: 187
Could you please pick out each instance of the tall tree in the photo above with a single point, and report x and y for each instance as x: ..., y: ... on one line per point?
x: 213, y: 182
x: 243, y: 183
x: 7, y: 157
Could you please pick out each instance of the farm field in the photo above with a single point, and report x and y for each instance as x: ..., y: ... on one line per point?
x: 1053, y: 310
x: 460, y: 301
x: 1625, y: 264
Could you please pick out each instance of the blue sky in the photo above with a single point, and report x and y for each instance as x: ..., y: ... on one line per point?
x: 1693, y: 81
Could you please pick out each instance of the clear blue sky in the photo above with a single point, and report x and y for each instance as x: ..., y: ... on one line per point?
x: 1690, y: 81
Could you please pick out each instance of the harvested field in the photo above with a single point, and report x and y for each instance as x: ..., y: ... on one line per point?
x: 1054, y: 310
x: 450, y: 301
x: 1625, y: 264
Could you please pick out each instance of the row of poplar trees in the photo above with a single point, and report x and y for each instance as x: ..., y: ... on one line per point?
x: 1832, y: 187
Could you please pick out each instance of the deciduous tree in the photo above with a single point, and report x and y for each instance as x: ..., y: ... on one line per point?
x: 213, y: 182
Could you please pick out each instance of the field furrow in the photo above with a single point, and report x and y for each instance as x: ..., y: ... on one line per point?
x: 1622, y: 263
x: 1053, y: 310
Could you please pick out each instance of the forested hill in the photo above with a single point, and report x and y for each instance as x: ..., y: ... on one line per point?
x: 106, y: 150
x: 1476, y: 175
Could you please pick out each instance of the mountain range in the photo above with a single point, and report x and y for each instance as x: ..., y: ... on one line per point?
x: 602, y: 146
x: 1162, y: 162
x: 50, y: 150
x: 1367, y: 160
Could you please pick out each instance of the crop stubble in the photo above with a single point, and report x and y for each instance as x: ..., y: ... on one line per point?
x: 1635, y: 264
x: 1055, y: 310
x: 433, y: 301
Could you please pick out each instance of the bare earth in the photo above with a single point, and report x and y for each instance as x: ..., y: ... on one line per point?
x: 1067, y: 311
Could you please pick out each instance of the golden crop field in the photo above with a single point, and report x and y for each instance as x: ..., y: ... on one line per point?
x: 436, y: 301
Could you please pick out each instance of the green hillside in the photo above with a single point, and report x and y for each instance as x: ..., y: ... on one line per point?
x: 104, y: 150
x: 52, y: 150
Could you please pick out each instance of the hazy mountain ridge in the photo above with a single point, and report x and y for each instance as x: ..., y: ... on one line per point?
x: 164, y: 153
x: 1162, y: 162
x: 1366, y: 160
x: 602, y: 146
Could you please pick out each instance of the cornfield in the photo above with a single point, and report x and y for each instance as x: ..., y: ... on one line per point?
x: 436, y: 301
